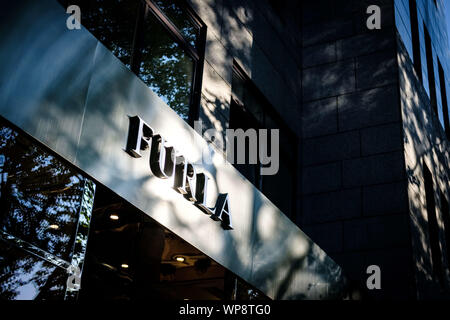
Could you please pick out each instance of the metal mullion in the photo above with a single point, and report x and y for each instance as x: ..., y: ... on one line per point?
x: 193, y: 16
x: 34, y: 250
x: 195, y: 19
x: 193, y: 114
x: 238, y: 102
x: 173, y: 30
x: 138, y: 39
x: 194, y: 110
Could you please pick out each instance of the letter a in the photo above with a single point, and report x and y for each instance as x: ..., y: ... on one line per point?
x: 222, y: 211
x: 374, y: 21
x: 73, y: 21
x: 374, y: 281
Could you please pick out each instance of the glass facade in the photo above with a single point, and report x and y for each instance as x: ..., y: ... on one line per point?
x: 166, y: 68
x: 422, y: 27
x: 131, y: 257
x: 45, y: 211
x: 175, y: 12
x: 52, y: 217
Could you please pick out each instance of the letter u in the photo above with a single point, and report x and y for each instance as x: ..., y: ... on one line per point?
x: 161, y: 158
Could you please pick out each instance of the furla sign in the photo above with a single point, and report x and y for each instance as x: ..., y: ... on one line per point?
x: 166, y: 163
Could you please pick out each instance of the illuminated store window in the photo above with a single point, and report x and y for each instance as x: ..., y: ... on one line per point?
x: 251, y: 110
x: 161, y: 41
x: 51, y: 217
x: 132, y: 257
x: 45, y: 210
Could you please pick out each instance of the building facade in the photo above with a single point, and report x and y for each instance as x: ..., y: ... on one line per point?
x: 375, y: 145
x: 87, y: 115
x: 105, y: 183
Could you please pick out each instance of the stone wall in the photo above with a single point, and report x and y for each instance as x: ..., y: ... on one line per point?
x: 354, y: 183
x: 264, y: 38
x: 349, y: 95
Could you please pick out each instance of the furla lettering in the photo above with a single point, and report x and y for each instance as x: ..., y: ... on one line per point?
x: 166, y: 163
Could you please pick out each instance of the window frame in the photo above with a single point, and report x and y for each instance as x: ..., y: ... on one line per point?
x: 430, y: 69
x: 434, y: 243
x: 148, y: 7
x: 445, y: 212
x: 417, y: 62
x: 197, y: 54
x: 268, y: 109
x: 444, y: 99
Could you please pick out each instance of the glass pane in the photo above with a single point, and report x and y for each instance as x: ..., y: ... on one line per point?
x: 242, y: 119
x: 40, y: 197
x: 238, y: 85
x: 166, y: 68
x: 177, y: 14
x: 246, y: 96
x: 161, y: 63
x: 254, y: 106
x: 24, y: 276
x: 111, y: 22
x: 280, y: 187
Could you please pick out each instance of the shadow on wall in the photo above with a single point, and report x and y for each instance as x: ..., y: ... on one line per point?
x: 424, y: 142
x: 299, y: 266
x: 225, y: 21
x: 301, y: 262
x: 252, y: 34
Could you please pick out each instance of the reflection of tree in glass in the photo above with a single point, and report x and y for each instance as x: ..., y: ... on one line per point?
x: 41, y: 198
x: 112, y: 22
x: 23, y: 276
x: 84, y: 222
x: 82, y: 231
x: 163, y: 65
x: 173, y: 9
x: 166, y: 68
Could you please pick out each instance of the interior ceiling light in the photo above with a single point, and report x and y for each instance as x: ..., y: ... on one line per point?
x: 114, y: 216
x: 53, y: 227
x: 124, y: 266
x: 179, y: 258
